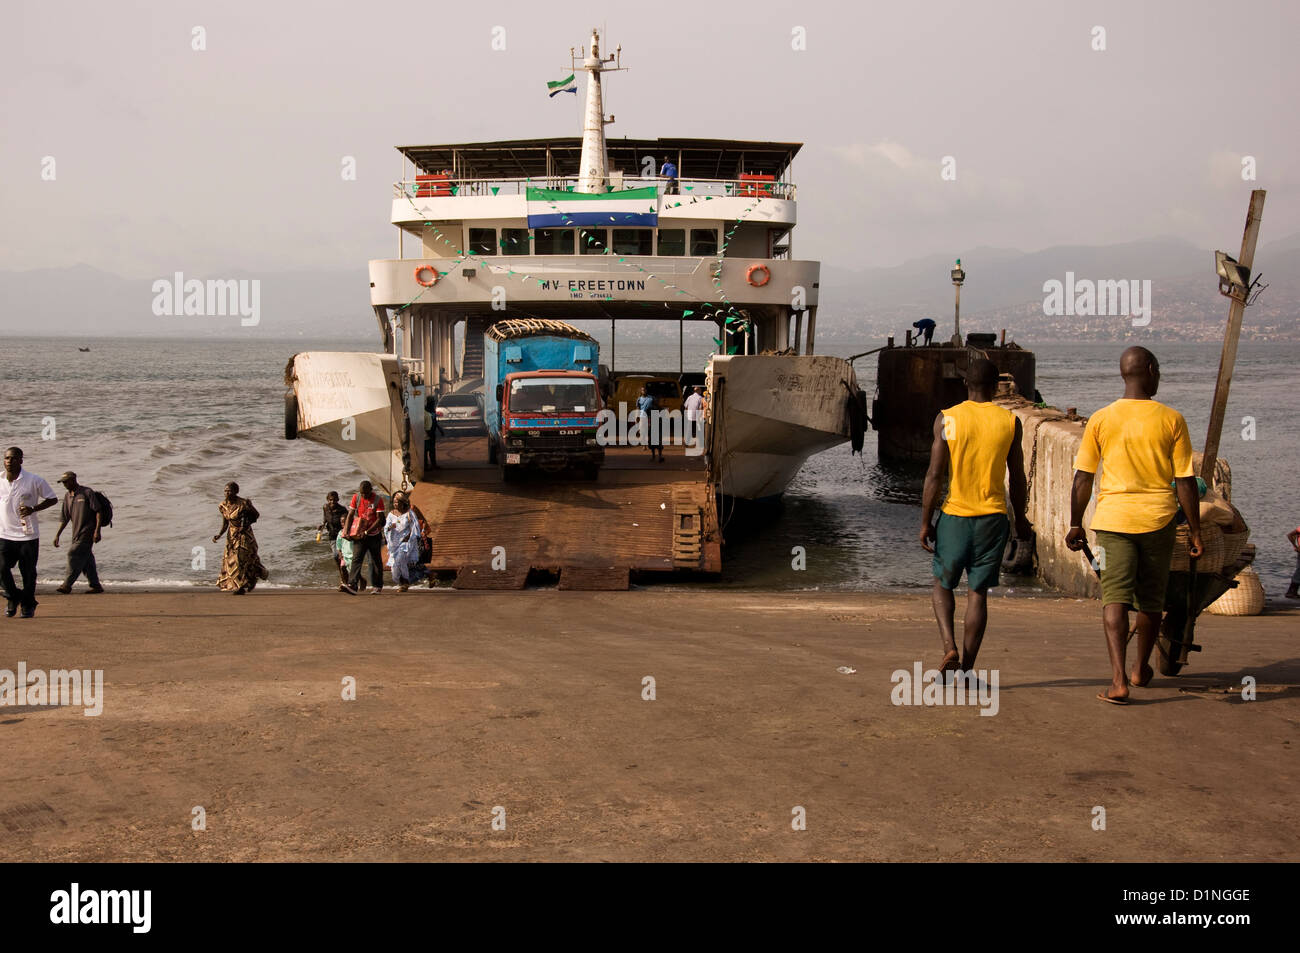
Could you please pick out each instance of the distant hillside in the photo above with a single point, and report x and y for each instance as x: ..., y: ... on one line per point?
x: 1004, y: 288
x: 84, y: 301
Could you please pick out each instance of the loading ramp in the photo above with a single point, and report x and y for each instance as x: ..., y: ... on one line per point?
x: 636, y: 517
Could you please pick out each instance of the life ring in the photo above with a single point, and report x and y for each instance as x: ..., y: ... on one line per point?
x: 767, y: 275
x: 426, y: 284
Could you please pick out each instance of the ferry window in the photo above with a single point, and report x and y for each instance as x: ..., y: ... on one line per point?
x: 553, y: 241
x: 704, y: 241
x: 514, y: 241
x: 633, y: 241
x: 672, y: 241
x: 592, y: 241
x: 482, y: 241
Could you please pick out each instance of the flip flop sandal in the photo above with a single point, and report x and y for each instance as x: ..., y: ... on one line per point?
x: 1111, y: 701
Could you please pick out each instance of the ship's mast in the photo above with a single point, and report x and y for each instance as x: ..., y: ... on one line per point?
x: 593, y: 171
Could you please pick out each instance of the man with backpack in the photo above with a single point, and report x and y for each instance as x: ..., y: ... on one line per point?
x: 84, y: 509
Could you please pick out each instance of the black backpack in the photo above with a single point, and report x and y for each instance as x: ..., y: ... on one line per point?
x: 105, y: 507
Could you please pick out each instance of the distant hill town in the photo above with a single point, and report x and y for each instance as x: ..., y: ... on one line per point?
x: 1003, y: 289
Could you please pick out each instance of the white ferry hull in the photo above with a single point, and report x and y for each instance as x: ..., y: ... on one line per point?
x: 772, y: 413
x: 349, y: 401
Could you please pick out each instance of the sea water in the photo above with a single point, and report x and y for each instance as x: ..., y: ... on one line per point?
x: 161, y: 425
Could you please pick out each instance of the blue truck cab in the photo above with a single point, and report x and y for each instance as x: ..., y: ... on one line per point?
x: 542, y: 396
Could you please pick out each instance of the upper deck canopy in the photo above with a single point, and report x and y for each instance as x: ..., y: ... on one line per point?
x: 543, y: 158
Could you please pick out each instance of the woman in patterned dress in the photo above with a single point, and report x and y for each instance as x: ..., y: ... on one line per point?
x: 240, y: 567
x: 402, y: 532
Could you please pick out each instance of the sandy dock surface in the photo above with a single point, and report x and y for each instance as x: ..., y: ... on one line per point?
x: 533, y: 702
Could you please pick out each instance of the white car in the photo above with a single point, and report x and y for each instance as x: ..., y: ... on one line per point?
x: 460, y: 415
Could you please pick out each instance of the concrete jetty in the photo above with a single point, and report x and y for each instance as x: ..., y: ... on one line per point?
x: 1050, y: 442
x: 536, y: 703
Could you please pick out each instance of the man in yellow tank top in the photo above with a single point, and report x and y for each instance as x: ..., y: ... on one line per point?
x: 975, y: 444
x: 1142, y: 447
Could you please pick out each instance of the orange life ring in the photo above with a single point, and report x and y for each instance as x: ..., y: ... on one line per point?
x: 428, y: 268
x: 767, y: 275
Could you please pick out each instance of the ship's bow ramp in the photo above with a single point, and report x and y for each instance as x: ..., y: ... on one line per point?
x: 592, y: 535
x: 349, y: 401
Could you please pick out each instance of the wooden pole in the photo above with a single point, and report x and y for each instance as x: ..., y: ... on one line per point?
x: 1231, y: 335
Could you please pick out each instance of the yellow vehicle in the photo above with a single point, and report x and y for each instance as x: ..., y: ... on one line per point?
x: 626, y: 388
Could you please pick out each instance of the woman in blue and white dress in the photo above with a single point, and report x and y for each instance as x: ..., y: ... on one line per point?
x: 402, y: 534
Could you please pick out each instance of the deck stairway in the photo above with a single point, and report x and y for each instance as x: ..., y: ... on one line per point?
x: 471, y: 350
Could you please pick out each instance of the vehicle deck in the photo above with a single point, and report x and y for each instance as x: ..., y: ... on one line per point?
x: 637, y: 516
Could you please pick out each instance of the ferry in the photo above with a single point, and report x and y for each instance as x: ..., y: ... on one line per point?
x: 588, y: 229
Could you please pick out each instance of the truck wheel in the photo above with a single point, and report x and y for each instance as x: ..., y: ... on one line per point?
x: 591, y: 472
x: 492, y: 450
x: 509, y: 474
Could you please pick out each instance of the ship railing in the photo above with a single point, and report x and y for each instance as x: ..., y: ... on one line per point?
x: 594, y: 264
x: 462, y: 188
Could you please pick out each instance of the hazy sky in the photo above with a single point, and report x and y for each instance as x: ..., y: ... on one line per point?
x: 168, y: 158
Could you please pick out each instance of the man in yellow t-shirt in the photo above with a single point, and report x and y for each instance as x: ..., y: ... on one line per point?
x: 1142, y: 447
x: 976, y: 443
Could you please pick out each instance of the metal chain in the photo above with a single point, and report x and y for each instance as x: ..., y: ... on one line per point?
x: 1033, y: 453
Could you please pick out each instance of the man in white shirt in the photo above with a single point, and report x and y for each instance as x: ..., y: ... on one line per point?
x: 694, y: 407
x: 22, y: 496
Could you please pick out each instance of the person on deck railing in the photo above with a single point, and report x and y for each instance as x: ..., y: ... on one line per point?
x: 669, y: 172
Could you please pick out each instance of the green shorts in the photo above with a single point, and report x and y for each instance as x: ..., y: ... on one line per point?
x: 1135, y: 567
x: 973, y: 544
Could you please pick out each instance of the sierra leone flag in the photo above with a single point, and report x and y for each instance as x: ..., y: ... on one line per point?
x: 551, y: 208
x: 566, y: 85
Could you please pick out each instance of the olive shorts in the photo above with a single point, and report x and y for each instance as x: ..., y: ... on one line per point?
x: 970, y: 543
x: 1135, y: 567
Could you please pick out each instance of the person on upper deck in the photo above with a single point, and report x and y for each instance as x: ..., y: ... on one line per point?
x: 669, y: 172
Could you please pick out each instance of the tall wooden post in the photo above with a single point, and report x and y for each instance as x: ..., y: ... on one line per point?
x: 1231, y: 335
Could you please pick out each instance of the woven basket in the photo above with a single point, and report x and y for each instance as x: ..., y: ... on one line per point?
x: 1246, y: 599
x: 1234, y: 544
x: 1211, y: 560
